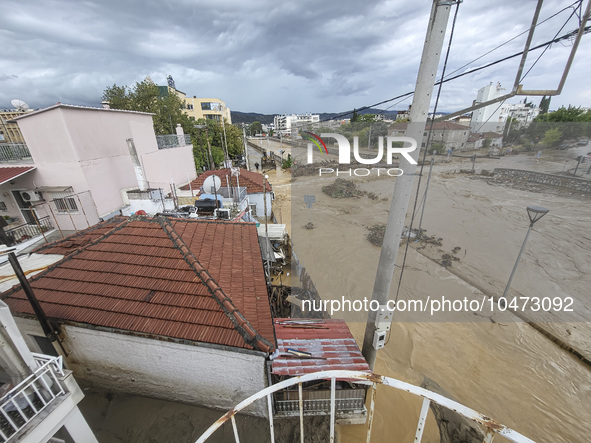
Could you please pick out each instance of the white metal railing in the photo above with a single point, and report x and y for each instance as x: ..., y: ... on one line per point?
x: 31, y: 396
x: 173, y: 141
x: 492, y: 427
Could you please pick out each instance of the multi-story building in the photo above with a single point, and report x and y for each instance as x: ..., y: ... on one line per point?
x: 38, y: 396
x: 288, y: 124
x: 522, y: 113
x: 207, y: 108
x: 9, y: 130
x: 486, y: 119
x: 79, y: 163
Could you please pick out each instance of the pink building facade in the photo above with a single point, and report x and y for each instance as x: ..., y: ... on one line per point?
x: 83, y: 160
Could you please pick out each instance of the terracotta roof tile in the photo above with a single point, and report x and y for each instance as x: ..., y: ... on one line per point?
x: 135, y: 275
x: 252, y: 181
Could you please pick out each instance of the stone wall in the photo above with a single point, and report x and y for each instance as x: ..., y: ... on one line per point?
x: 576, y: 184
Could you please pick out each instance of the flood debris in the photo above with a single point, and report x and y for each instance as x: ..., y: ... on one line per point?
x: 376, y: 234
x: 342, y: 188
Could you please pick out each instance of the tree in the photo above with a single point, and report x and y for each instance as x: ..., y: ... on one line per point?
x: 544, y: 105
x: 355, y: 117
x: 145, y: 96
x: 552, y: 137
x: 255, y: 128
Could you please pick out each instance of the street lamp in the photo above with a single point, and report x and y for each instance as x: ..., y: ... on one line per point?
x: 534, y: 213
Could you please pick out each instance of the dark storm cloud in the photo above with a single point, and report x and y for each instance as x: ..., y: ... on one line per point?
x: 263, y: 56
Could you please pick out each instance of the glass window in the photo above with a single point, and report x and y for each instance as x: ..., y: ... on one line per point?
x: 67, y: 204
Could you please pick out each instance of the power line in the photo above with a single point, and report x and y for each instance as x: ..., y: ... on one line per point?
x: 566, y: 36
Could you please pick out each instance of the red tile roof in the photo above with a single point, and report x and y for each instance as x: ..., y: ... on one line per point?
x: 330, y: 342
x: 184, y: 279
x: 7, y: 174
x: 252, y: 181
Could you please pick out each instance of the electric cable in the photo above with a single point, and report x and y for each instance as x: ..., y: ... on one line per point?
x: 568, y: 35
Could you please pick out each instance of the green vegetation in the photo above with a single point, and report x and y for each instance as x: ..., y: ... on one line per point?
x: 167, y: 108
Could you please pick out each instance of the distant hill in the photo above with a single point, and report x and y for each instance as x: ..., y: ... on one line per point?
x: 249, y: 117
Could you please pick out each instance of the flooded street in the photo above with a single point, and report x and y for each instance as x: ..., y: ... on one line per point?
x: 499, y: 366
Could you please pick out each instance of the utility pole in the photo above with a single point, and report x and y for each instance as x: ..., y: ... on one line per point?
x: 401, y: 197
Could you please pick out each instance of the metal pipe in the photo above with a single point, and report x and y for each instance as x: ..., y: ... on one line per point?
x: 48, y: 330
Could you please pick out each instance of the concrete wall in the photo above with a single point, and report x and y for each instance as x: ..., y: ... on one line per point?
x: 201, y: 375
x: 259, y: 201
x: 576, y: 184
x: 163, y: 165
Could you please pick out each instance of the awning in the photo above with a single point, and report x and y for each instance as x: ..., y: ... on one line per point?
x: 10, y: 173
x: 54, y: 189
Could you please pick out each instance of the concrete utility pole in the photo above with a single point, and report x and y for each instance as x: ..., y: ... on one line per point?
x: 401, y: 197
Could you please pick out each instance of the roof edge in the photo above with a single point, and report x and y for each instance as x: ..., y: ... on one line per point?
x: 250, y: 335
x: 80, y: 107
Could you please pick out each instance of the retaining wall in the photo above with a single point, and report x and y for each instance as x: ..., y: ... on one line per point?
x: 576, y: 184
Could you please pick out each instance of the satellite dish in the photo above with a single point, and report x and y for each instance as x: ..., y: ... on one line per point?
x: 19, y: 104
x: 212, y: 184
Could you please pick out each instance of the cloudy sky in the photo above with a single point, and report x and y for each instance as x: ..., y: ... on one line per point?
x: 272, y: 56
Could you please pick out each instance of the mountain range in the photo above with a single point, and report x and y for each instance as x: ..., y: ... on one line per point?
x: 249, y: 117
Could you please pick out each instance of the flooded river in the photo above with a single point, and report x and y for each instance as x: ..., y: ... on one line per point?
x: 498, y: 366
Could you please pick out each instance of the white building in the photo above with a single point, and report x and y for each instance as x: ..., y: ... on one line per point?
x: 487, y: 119
x: 167, y: 308
x: 287, y: 124
x: 39, y: 397
x: 78, y: 162
x: 523, y: 113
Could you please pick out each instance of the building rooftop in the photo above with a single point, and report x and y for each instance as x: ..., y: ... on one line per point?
x: 85, y: 108
x: 252, y: 181
x: 329, y: 342
x: 182, y: 279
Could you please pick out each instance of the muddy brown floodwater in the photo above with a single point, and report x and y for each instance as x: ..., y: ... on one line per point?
x: 501, y: 367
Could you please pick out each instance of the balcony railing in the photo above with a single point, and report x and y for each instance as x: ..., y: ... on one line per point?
x: 172, y: 141
x: 15, y: 153
x: 25, y: 232
x: 30, y: 397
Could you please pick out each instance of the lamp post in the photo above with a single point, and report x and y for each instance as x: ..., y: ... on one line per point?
x: 534, y: 213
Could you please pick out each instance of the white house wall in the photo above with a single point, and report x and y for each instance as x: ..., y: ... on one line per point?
x: 258, y: 200
x: 162, y: 165
x: 201, y: 375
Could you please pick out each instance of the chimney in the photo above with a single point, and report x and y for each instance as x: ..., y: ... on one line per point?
x: 180, y: 135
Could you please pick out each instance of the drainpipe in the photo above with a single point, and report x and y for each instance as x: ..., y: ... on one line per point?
x: 48, y: 330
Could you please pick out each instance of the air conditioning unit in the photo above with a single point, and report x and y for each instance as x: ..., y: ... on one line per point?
x: 223, y: 214
x: 31, y: 196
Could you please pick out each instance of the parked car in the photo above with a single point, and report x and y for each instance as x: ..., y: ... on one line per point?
x: 583, y: 142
